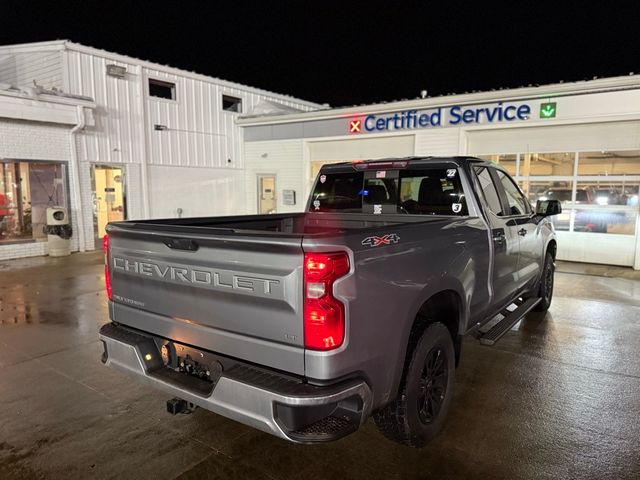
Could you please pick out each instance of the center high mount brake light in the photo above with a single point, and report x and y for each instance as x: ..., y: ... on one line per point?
x: 360, y: 165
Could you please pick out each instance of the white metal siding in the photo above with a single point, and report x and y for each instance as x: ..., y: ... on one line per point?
x: 441, y: 142
x: 284, y: 158
x: 198, y: 192
x: 22, y: 69
x: 362, y: 148
x: 116, y: 134
x: 557, y: 138
x: 200, y: 137
x: 199, y: 133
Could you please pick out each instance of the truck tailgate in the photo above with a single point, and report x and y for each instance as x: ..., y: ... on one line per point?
x: 234, y: 294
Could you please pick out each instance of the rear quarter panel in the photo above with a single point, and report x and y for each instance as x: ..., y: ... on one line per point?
x: 386, y: 287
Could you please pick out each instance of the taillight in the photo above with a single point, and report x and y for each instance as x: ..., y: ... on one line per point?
x: 323, y: 313
x: 107, y: 274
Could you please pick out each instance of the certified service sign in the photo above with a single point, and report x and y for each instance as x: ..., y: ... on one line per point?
x: 455, y: 115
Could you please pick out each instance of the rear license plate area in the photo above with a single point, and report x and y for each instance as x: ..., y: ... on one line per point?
x: 190, y: 361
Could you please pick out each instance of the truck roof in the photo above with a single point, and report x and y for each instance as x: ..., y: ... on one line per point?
x: 411, y: 161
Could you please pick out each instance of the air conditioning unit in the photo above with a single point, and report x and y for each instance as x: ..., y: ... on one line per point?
x: 117, y: 71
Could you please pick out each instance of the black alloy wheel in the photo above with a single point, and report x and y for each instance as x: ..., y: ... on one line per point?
x: 433, y: 386
x: 547, y: 285
x: 420, y: 409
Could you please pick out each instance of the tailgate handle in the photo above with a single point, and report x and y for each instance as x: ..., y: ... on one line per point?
x: 181, y: 244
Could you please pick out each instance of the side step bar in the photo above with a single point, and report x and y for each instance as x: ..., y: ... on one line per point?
x: 496, y: 332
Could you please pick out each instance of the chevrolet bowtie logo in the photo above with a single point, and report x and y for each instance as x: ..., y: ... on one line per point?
x: 355, y: 126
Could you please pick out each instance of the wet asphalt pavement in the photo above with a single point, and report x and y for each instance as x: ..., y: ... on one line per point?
x: 557, y: 397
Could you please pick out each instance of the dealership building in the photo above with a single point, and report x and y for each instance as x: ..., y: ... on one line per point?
x: 576, y: 142
x: 111, y: 137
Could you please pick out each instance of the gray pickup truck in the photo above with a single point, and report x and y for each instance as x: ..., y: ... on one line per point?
x: 304, y: 325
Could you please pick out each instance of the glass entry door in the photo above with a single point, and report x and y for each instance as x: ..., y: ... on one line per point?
x: 108, y: 198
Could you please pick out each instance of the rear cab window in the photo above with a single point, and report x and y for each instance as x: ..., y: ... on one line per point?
x: 419, y: 191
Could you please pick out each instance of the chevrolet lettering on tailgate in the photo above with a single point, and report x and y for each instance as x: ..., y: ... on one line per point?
x: 219, y: 279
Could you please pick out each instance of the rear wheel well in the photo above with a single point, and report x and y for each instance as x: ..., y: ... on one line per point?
x: 444, y: 307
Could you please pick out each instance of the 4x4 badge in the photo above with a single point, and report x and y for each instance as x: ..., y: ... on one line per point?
x: 383, y: 240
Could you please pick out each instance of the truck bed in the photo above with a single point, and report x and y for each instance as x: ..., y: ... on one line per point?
x: 296, y: 224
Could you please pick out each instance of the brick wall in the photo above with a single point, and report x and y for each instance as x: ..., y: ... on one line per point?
x: 33, y: 141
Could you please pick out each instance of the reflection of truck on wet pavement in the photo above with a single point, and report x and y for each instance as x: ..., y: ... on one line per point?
x: 304, y: 325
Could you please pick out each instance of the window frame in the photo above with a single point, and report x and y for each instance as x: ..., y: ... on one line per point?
x: 481, y: 194
x: 504, y: 198
x: 162, y: 82
x: 238, y: 101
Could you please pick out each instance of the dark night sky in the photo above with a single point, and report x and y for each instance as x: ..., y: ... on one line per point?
x: 351, y: 53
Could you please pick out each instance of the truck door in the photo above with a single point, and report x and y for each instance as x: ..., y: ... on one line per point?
x: 505, y: 239
x: 521, y: 220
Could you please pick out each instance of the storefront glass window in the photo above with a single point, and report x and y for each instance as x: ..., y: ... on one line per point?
x: 605, y: 220
x: 546, y: 164
x: 609, y: 163
x: 602, y: 191
x: 547, y: 189
x: 599, y: 194
x: 26, y: 190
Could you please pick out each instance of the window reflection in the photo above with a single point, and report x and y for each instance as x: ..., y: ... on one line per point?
x: 607, y: 192
x: 26, y: 190
x: 599, y: 193
x: 609, y: 163
x: 604, y: 220
x: 547, y: 164
x: 547, y: 190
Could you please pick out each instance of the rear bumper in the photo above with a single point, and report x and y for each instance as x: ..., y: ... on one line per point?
x: 290, y: 409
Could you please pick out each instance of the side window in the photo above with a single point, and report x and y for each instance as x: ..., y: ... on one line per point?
x: 489, y: 190
x: 518, y: 204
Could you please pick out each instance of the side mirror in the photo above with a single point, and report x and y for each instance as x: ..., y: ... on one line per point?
x: 546, y: 208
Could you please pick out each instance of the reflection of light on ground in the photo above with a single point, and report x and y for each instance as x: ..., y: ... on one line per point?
x: 15, y: 308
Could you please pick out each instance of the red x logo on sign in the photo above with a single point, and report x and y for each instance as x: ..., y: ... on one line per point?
x: 355, y: 126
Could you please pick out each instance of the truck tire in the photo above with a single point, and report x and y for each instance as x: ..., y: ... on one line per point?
x: 418, y: 413
x: 545, y: 290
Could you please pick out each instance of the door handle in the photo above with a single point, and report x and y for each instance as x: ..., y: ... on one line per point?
x: 181, y: 244
x: 522, y: 232
x: 498, y: 236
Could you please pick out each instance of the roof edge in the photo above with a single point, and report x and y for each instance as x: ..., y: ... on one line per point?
x: 624, y: 82
x: 50, y: 98
x: 63, y: 44
x: 35, y: 46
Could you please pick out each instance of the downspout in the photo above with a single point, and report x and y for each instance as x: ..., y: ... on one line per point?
x: 142, y: 125
x: 76, y: 177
